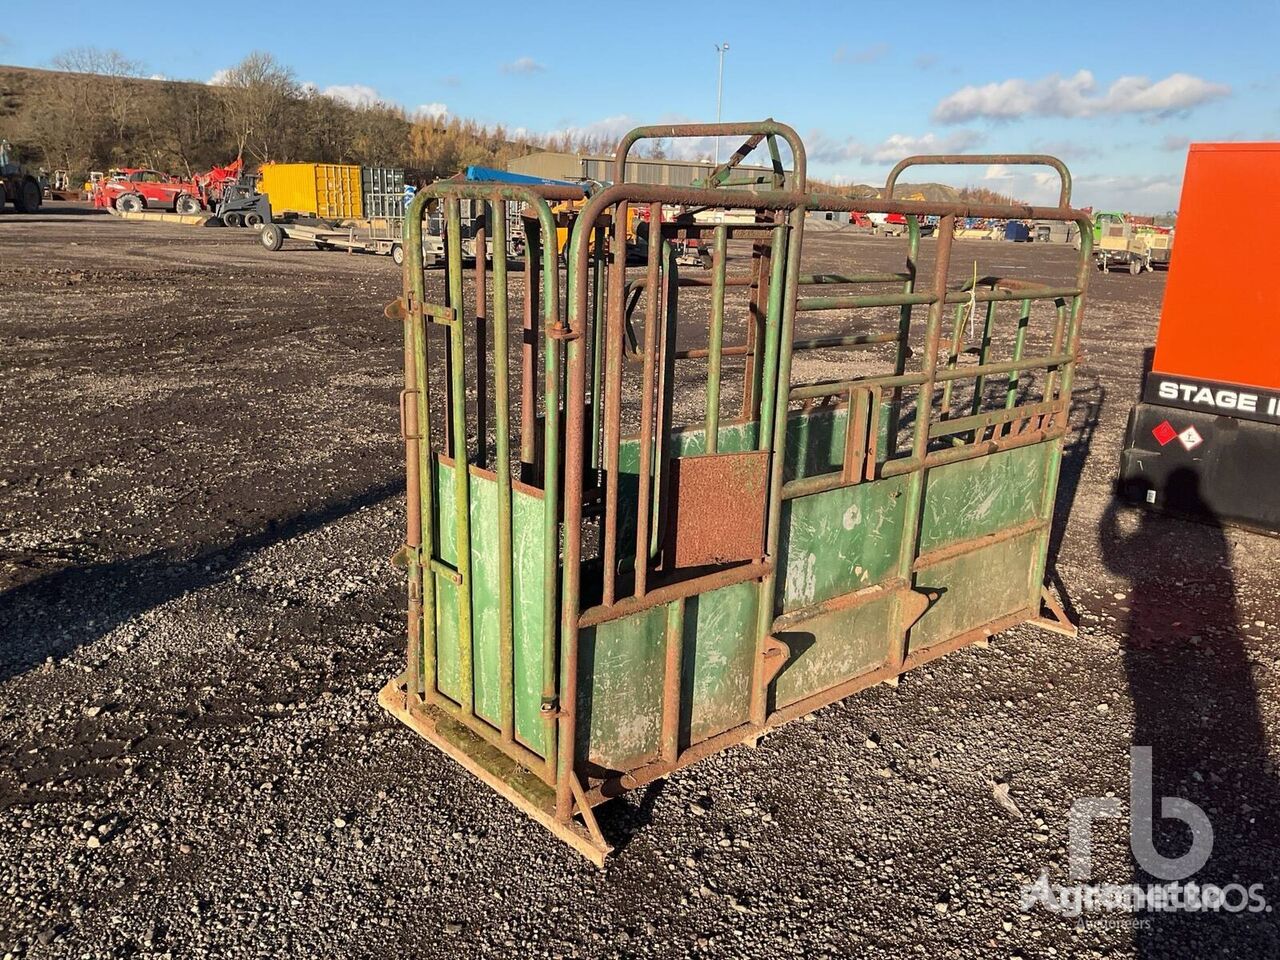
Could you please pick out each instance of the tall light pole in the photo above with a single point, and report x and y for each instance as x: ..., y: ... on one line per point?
x: 722, y: 49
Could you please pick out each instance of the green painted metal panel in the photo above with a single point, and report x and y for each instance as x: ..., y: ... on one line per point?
x: 620, y: 670
x: 976, y: 497
x: 528, y: 598
x: 719, y: 646
x: 839, y: 541
x: 975, y: 588
x: 834, y: 647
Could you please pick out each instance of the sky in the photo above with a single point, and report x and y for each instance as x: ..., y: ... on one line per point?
x: 1117, y: 90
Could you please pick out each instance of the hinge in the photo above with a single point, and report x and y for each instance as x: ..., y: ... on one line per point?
x: 404, y: 556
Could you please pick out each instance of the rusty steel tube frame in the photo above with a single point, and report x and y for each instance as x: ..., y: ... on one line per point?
x: 451, y: 193
x: 571, y: 617
x: 677, y: 131
x: 985, y: 159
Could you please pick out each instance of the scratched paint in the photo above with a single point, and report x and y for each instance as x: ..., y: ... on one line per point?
x: 839, y: 541
x: 973, y: 498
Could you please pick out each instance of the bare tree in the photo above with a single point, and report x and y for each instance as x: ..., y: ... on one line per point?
x: 260, y: 92
x: 114, y: 101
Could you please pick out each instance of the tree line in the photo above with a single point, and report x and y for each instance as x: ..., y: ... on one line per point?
x: 97, y: 110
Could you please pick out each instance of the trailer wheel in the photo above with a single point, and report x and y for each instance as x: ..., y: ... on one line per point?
x: 271, y: 237
x: 253, y: 220
x: 397, y: 254
x: 3, y: 197
x: 1135, y: 267
x: 28, y: 198
x: 186, y: 205
x: 129, y: 203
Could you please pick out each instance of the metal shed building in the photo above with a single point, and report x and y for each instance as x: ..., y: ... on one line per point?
x: 575, y: 166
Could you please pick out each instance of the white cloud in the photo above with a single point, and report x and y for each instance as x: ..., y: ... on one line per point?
x: 157, y: 76
x: 893, y: 148
x: 523, y: 65
x: 221, y: 78
x: 1077, y: 96
x: 431, y: 111
x: 1143, y: 194
x: 353, y: 94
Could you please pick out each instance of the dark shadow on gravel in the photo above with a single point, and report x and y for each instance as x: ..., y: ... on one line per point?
x: 1195, y: 704
x: 620, y: 821
x: 1082, y: 418
x: 52, y: 616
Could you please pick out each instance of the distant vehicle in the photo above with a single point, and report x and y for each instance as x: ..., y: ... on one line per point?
x: 17, y: 184
x: 1119, y: 244
x: 135, y: 189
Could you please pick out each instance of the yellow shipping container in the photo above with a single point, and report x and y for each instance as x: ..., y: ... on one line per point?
x: 328, y: 190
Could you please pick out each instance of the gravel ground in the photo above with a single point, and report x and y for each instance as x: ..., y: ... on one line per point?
x: 200, y: 484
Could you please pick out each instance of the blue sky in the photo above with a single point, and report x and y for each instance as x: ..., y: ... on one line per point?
x: 1116, y: 89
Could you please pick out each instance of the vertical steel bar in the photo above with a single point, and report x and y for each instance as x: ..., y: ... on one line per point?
x: 575, y: 398
x: 780, y: 253
x: 502, y: 439
x: 1059, y: 331
x: 909, y: 543
x: 482, y: 345
x: 1019, y: 344
x: 784, y: 289
x: 984, y: 353
x: 904, y: 330
x: 446, y: 341
x: 551, y: 478
x: 420, y: 478
x: 652, y: 318
x: 671, y: 686
x: 413, y: 502
x: 529, y: 346
x: 461, y: 466
x: 598, y: 275
x: 715, y: 339
x: 613, y: 397
x: 667, y: 345
x: 953, y: 358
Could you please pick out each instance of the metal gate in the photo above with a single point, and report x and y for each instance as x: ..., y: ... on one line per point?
x: 665, y: 562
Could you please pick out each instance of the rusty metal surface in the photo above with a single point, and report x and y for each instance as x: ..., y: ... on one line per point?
x: 717, y: 509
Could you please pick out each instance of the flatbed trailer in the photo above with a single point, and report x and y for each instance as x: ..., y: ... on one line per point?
x: 328, y: 236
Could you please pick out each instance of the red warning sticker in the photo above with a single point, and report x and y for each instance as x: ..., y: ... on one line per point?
x: 1164, y: 432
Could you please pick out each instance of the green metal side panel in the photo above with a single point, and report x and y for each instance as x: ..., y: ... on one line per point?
x: 976, y: 497
x: 623, y: 663
x: 719, y: 645
x: 975, y: 589
x: 528, y: 598
x: 620, y: 671
x: 834, y: 647
x: 839, y: 541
